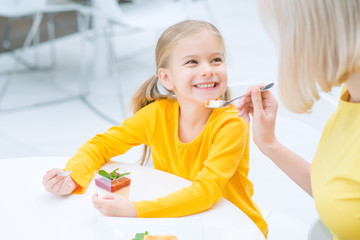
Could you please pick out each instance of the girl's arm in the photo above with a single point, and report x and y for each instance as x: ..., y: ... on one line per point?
x: 97, y: 151
x: 263, y: 107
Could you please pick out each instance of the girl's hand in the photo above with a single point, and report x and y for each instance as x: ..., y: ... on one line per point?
x: 114, y: 205
x: 263, y: 107
x: 57, y: 184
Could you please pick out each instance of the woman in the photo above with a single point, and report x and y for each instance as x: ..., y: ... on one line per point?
x: 319, y: 47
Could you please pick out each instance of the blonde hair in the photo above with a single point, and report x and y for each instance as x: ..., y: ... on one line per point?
x: 149, y: 92
x: 318, y: 43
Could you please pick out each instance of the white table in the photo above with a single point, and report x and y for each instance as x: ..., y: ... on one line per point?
x: 27, y: 211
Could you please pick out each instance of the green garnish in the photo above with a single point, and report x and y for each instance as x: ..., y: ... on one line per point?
x: 112, y: 175
x: 140, y: 236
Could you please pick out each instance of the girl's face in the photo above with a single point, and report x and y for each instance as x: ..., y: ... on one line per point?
x: 196, y: 70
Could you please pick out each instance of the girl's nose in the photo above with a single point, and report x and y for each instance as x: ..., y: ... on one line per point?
x: 207, y: 71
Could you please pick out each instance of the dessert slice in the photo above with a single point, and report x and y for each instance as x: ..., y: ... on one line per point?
x: 146, y: 236
x: 112, y: 182
x: 160, y: 237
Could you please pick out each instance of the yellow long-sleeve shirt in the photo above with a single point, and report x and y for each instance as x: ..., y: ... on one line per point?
x: 217, y: 161
x: 335, y: 172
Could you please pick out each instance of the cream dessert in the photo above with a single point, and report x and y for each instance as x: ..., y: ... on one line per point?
x: 214, y: 103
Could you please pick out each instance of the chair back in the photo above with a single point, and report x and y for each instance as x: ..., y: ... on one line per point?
x: 110, y: 9
x: 15, y: 8
x: 162, y: 13
x: 318, y: 231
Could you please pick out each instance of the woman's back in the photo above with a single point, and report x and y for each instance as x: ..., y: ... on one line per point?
x: 335, y: 177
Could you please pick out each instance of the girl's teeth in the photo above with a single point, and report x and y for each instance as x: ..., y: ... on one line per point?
x: 205, y: 85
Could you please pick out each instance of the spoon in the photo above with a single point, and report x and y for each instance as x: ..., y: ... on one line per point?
x: 223, y: 103
x: 65, y: 174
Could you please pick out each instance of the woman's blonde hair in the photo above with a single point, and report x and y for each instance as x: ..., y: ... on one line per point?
x: 149, y: 92
x: 318, y: 43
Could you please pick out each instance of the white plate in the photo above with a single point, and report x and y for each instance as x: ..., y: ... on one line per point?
x: 111, y: 228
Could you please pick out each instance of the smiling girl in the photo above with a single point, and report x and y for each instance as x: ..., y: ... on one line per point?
x: 209, y: 147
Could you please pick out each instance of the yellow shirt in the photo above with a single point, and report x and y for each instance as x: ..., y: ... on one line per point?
x: 335, y: 172
x: 217, y: 161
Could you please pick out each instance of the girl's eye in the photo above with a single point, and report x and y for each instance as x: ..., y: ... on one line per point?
x: 191, y: 62
x: 217, y: 60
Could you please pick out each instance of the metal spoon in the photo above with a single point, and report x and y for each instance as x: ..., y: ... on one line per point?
x: 223, y: 103
x: 65, y: 174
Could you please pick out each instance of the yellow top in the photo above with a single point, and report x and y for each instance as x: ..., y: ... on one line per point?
x: 217, y: 161
x: 335, y: 172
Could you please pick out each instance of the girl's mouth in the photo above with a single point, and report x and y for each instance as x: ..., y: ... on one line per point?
x: 206, y: 85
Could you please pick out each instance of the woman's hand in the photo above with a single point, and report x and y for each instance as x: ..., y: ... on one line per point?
x: 114, y: 205
x: 263, y: 107
x: 57, y: 184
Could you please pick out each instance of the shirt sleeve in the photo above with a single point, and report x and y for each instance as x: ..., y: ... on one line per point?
x: 117, y: 140
x: 226, y: 152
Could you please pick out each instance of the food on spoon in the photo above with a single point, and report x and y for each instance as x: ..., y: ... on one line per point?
x: 214, y: 103
x: 112, y: 182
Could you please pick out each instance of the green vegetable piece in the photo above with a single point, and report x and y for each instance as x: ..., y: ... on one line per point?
x: 121, y: 175
x: 140, y: 236
x: 112, y: 175
x: 104, y: 174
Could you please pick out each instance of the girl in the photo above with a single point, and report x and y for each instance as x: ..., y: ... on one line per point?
x: 319, y: 46
x: 208, y: 147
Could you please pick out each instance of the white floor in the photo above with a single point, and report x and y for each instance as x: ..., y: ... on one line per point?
x: 59, y: 129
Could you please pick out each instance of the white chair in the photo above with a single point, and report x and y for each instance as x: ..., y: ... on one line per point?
x: 318, y: 231
x: 11, y: 9
x: 22, y: 8
x: 140, y: 15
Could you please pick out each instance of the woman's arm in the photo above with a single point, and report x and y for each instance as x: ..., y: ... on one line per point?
x: 291, y: 164
x: 263, y: 107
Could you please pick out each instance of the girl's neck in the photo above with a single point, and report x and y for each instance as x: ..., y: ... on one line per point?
x: 353, y: 86
x: 192, y: 120
x: 194, y: 115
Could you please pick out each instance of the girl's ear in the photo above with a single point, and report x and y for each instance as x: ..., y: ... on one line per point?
x: 165, y: 79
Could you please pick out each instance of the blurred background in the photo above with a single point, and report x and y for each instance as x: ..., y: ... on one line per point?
x: 68, y: 70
